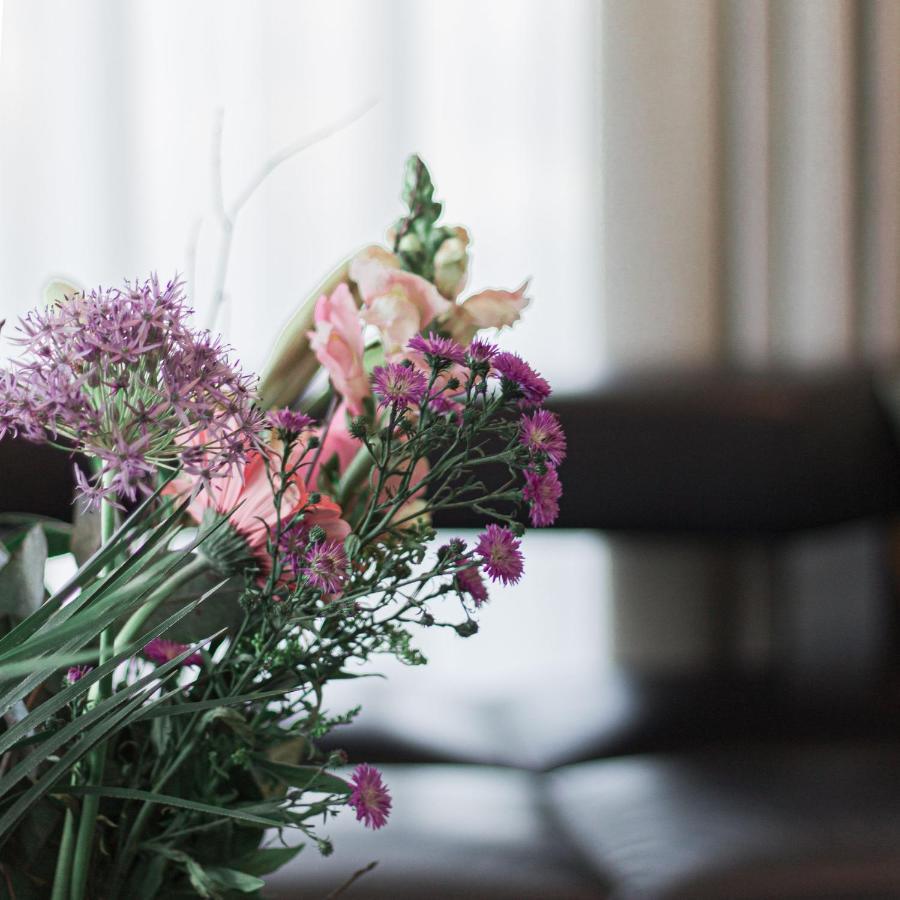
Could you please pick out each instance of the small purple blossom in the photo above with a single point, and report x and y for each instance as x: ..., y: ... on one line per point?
x: 324, y: 566
x: 542, y: 491
x: 528, y: 384
x: 122, y: 376
x: 398, y: 385
x: 470, y: 582
x: 288, y: 423
x: 370, y: 797
x: 160, y: 651
x: 499, y: 550
x: 480, y: 352
x: 541, y: 433
x: 438, y: 349
x: 76, y: 673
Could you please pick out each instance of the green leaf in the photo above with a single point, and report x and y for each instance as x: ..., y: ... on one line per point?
x: 219, y: 812
x: 307, y: 778
x: 58, y: 533
x: 45, y: 664
x: 267, y: 859
x: 22, y: 578
x: 232, y: 880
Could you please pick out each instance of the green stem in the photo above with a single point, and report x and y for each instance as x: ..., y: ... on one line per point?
x: 64, y: 859
x: 87, y: 822
x: 196, y: 566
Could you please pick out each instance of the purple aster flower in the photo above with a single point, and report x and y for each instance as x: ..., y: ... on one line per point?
x: 438, y: 349
x: 370, y: 797
x: 542, y: 491
x: 470, y: 582
x: 499, y: 549
x: 76, y: 673
x: 399, y: 385
x: 541, y: 433
x: 325, y: 566
x: 480, y: 352
x: 160, y: 651
x: 120, y: 375
x: 287, y: 423
x: 527, y: 383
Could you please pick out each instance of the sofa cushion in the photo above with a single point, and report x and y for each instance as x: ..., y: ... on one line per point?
x: 815, y: 821
x: 454, y: 832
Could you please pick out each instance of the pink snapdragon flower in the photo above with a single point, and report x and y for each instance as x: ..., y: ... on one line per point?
x: 488, y: 309
x: 338, y: 344
x: 370, y: 797
x: 398, y: 303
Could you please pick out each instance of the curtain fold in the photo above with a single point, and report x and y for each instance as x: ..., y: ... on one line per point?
x: 751, y: 191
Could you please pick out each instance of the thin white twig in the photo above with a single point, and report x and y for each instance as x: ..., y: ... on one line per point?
x: 293, y: 149
x: 228, y: 217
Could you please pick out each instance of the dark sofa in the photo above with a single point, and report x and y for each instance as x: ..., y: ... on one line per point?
x: 737, y: 774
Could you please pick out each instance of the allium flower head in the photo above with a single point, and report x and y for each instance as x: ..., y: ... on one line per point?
x: 437, y: 349
x: 324, y: 566
x: 370, y: 797
x: 541, y: 433
x: 122, y: 376
x: 287, y: 423
x: 160, y: 651
x: 542, y: 491
x: 516, y: 373
x: 499, y: 549
x: 76, y: 673
x: 399, y: 385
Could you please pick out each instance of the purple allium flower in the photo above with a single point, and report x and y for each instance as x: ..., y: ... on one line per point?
x: 541, y: 433
x: 398, y: 385
x: 499, y: 548
x: 76, y: 673
x: 437, y: 348
x: 325, y: 566
x: 370, y: 797
x: 122, y: 376
x: 160, y: 651
x: 480, y: 352
x: 533, y: 389
x: 470, y: 582
x: 287, y: 423
x: 542, y: 491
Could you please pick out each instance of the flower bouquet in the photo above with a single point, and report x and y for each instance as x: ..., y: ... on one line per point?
x: 163, y: 710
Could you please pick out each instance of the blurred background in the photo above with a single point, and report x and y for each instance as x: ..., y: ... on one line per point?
x: 694, y: 692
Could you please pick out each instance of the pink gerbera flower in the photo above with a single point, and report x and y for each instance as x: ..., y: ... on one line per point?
x: 370, y: 797
x: 499, y: 548
x: 160, y: 651
x: 540, y: 432
x: 542, y: 491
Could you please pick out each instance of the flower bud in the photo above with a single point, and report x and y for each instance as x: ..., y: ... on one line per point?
x: 451, y: 263
x: 467, y: 628
x: 409, y: 244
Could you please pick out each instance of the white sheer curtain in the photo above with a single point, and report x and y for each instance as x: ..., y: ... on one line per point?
x: 107, y: 110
